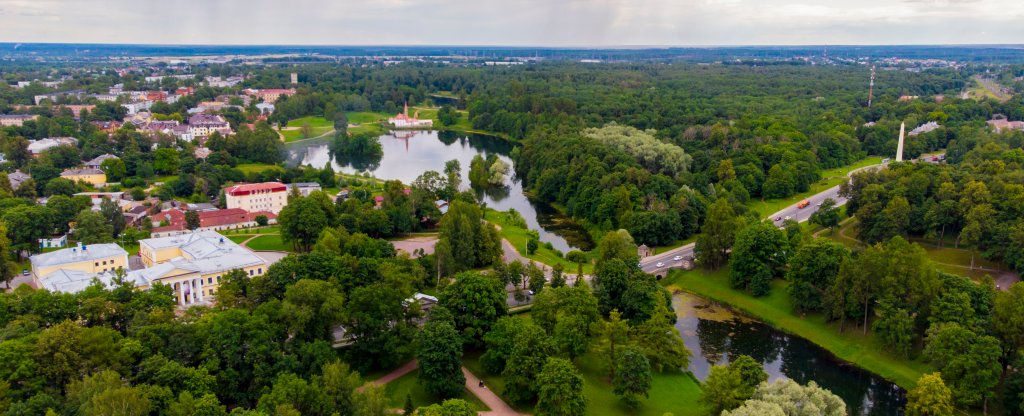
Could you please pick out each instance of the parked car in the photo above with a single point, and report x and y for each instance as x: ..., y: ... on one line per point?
x: 24, y: 272
x: 677, y: 258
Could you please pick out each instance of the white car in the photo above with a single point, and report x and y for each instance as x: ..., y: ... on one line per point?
x: 788, y: 218
x: 660, y: 264
x: 677, y: 258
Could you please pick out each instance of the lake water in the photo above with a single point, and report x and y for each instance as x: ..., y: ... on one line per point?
x: 715, y: 334
x: 407, y: 154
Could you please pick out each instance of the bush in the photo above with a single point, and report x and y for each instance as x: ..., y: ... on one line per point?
x: 262, y: 220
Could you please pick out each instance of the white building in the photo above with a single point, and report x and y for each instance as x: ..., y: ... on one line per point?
x: 37, y: 147
x: 403, y: 121
x: 305, y: 188
x: 254, y: 197
x: 193, y: 264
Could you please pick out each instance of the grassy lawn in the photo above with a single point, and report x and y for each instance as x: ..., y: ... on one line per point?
x: 675, y: 393
x: 518, y: 237
x: 271, y: 242
x: 318, y: 125
x: 829, y: 178
x: 238, y: 239
x: 257, y: 167
x: 409, y: 386
x: 775, y: 309
x: 362, y: 117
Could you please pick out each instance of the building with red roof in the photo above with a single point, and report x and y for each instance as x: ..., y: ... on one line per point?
x: 215, y: 220
x: 254, y: 197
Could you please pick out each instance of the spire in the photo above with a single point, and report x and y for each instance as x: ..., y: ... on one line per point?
x: 899, y: 145
x: 406, y: 111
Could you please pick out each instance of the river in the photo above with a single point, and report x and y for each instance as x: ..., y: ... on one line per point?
x: 407, y: 154
x: 715, y: 334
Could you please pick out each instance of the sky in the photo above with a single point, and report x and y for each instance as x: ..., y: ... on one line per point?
x: 556, y: 23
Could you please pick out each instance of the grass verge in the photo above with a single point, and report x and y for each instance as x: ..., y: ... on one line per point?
x: 518, y: 237
x: 409, y: 386
x: 829, y: 178
x: 852, y: 345
x: 270, y: 242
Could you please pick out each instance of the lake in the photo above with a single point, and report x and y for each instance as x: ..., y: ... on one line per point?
x: 407, y: 154
x: 715, y: 334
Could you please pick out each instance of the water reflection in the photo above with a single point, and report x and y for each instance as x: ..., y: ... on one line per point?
x: 407, y: 154
x: 716, y: 335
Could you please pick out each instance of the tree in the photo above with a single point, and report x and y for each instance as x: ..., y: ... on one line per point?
x: 813, y: 271
x: 969, y: 363
x: 895, y: 326
x: 727, y: 387
x: 561, y: 389
x: 477, y: 301
x: 192, y: 220
x: 302, y: 220
x: 633, y: 377
x: 930, y: 397
x: 113, y: 215
x: 165, y: 161
x: 613, y: 338
x: 501, y: 341
x: 529, y: 354
x: 660, y: 341
x: 8, y: 268
x: 450, y: 407
x: 447, y: 115
x: 717, y: 234
x: 827, y: 215
x: 793, y: 399
x: 579, y: 258
x: 439, y: 352
x: 306, y: 130
x: 114, y: 168
x: 313, y: 308
x: 1008, y: 316
x: 262, y: 220
x: 92, y: 228
x: 758, y: 256
x: 465, y: 241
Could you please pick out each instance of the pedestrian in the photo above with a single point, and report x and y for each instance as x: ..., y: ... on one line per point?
x: 482, y: 383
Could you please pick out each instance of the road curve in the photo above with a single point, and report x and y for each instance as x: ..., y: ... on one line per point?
x: 667, y: 260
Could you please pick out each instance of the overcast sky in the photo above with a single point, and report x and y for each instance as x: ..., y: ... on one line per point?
x: 514, y: 22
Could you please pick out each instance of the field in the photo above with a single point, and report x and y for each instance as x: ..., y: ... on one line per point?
x: 365, y: 121
x: 518, y: 237
x: 409, y: 386
x: 775, y: 309
x: 319, y: 126
x: 674, y: 393
x: 257, y: 167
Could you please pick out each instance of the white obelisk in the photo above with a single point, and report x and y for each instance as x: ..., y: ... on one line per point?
x: 899, y: 145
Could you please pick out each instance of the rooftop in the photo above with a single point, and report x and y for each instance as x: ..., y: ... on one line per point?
x: 248, y: 188
x: 74, y: 255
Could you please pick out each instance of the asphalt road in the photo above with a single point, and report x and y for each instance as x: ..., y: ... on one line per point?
x: 660, y: 264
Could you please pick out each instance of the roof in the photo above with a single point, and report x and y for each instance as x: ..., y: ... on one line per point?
x: 78, y: 172
x: 206, y: 252
x: 305, y: 184
x: 96, y: 161
x: 74, y: 255
x: 249, y: 188
x: 73, y: 281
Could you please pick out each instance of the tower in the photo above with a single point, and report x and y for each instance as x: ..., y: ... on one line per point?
x: 871, y: 86
x: 899, y: 145
x: 295, y: 78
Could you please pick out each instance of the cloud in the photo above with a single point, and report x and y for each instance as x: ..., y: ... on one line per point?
x: 514, y: 22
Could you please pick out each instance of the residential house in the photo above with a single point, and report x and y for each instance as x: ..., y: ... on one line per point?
x: 54, y: 242
x: 16, y: 178
x: 94, y: 177
x: 1000, y: 124
x: 97, y: 161
x: 109, y: 127
x: 212, y: 220
x: 203, y: 125
x: 270, y: 95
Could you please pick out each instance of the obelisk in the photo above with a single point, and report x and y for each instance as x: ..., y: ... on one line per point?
x: 899, y: 145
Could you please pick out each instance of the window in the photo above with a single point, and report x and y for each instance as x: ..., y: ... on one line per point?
x: 250, y: 273
x: 209, y: 280
x: 97, y: 264
x: 259, y: 270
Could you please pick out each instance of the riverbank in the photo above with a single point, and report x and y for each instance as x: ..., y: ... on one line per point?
x: 775, y: 309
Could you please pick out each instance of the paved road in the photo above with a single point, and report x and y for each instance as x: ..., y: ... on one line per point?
x: 660, y: 264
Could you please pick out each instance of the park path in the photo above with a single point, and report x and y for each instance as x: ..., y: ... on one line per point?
x: 498, y: 407
x: 397, y: 373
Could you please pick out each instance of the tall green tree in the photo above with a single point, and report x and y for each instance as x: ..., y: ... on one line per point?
x: 439, y: 350
x: 477, y: 301
x: 633, y: 377
x: 561, y: 389
x: 717, y: 234
x: 758, y: 257
x: 930, y: 397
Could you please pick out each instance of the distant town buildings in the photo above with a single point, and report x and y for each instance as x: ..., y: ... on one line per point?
x: 924, y: 128
x: 16, y: 120
x: 97, y: 161
x: 256, y: 197
x: 203, y: 125
x: 37, y: 147
x: 270, y: 95
x: 1000, y: 124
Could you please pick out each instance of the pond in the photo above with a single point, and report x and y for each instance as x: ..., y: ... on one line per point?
x: 715, y: 334
x: 407, y: 154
